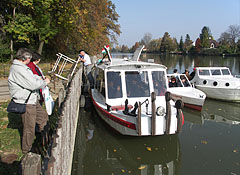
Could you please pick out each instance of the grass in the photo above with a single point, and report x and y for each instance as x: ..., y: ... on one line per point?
x: 10, y: 143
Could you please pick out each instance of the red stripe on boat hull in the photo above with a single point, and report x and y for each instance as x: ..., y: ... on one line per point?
x: 114, y: 118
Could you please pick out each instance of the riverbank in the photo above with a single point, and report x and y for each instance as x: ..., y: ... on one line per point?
x: 11, y: 130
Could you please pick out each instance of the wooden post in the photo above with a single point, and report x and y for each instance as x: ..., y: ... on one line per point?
x: 153, y: 98
x: 31, y: 164
x: 139, y: 119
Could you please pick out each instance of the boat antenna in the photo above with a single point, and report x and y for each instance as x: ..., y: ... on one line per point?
x: 137, y: 53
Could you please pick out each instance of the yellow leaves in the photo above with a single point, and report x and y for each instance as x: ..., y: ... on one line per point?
x: 85, y: 11
x: 149, y: 148
x: 114, y: 150
x: 142, y: 167
x: 204, y: 142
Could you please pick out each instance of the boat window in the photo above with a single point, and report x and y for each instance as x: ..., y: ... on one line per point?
x: 203, y: 72
x: 114, y: 85
x: 159, y: 83
x: 216, y: 72
x: 137, y: 84
x: 100, y: 81
x: 225, y: 72
x: 184, y: 81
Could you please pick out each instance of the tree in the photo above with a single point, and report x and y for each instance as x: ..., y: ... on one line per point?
x: 146, y: 39
x: 228, y: 39
x: 234, y: 33
x: 181, y: 45
x: 187, y: 43
x: 205, y: 36
x: 165, y: 44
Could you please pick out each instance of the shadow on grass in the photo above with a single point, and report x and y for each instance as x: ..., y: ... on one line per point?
x: 10, y: 169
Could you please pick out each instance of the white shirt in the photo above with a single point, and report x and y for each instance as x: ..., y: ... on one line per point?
x: 87, y: 60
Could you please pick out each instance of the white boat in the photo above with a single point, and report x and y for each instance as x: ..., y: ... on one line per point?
x: 218, y: 83
x: 131, y: 97
x: 191, y: 97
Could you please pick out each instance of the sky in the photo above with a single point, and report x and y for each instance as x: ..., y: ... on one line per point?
x: 177, y: 17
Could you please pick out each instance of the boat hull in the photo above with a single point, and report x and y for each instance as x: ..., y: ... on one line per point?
x: 225, y: 94
x: 191, y: 97
x: 128, y: 125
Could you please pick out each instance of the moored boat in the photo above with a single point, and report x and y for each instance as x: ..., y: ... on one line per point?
x: 131, y: 97
x: 183, y: 89
x: 218, y: 83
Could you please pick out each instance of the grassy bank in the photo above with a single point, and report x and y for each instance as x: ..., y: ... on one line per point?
x: 10, y: 141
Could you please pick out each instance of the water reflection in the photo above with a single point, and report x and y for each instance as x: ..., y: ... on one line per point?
x: 220, y: 111
x: 100, y: 151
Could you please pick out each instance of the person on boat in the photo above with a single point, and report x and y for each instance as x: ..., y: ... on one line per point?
x: 186, y: 72
x: 184, y: 81
x: 159, y: 88
x: 192, y: 74
x: 175, y: 71
x: 173, y: 82
x: 114, y: 91
x: 88, y: 66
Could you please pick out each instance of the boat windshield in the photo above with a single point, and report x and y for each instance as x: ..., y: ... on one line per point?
x: 226, y: 72
x: 159, y: 83
x: 114, y: 85
x: 137, y: 84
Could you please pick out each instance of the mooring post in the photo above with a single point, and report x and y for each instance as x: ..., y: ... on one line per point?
x: 153, y: 99
x: 139, y: 120
x: 31, y: 164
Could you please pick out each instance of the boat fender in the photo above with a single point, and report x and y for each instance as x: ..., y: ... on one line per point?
x: 180, y: 120
x: 126, y: 107
x: 179, y: 104
x: 82, y: 101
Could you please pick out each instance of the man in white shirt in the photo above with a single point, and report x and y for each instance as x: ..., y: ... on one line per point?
x: 88, y: 66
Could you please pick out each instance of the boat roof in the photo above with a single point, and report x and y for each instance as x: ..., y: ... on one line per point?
x: 212, y: 68
x: 126, y: 64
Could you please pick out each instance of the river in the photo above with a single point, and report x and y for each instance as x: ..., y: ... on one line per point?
x: 209, y: 143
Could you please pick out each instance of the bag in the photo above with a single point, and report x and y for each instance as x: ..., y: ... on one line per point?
x: 49, y: 103
x: 16, y: 107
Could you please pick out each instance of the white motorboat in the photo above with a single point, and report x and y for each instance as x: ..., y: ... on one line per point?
x: 183, y: 89
x: 218, y: 83
x: 131, y: 97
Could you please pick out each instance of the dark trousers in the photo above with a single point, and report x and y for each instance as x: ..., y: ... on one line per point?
x: 34, y: 114
x: 90, y: 79
x: 89, y: 75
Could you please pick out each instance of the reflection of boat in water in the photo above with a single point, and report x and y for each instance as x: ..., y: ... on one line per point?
x: 108, y: 153
x: 220, y: 111
x: 193, y: 116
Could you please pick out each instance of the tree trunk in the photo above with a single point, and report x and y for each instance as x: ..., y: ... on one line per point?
x: 11, y: 48
x: 11, y: 42
x: 40, y: 47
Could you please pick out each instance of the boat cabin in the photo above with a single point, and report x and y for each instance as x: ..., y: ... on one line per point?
x: 131, y: 80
